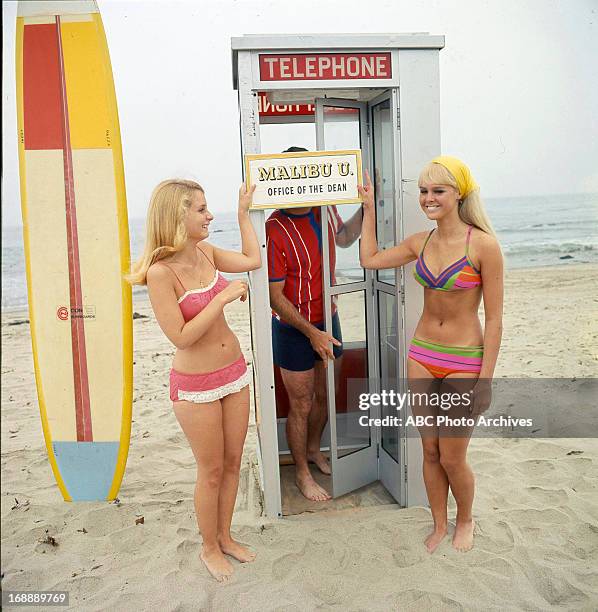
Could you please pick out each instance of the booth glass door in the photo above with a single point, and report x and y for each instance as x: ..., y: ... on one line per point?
x: 342, y: 124
x: 387, y: 287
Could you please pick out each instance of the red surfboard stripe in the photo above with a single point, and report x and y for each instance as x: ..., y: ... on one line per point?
x: 80, y: 373
x: 41, y: 88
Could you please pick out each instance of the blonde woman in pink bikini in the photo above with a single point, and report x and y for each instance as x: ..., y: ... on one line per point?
x: 459, y: 263
x: 209, y: 378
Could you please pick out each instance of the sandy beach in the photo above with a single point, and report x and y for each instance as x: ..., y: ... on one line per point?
x: 536, y: 508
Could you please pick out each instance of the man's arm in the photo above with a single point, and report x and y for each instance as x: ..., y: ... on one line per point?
x: 320, y: 340
x: 350, y: 231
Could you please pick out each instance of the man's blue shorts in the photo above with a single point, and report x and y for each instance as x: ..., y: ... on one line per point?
x: 293, y: 351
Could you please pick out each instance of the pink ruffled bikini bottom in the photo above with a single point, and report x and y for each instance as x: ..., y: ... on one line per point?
x: 210, y: 386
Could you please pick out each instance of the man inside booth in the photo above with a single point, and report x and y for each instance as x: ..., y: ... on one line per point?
x: 301, y: 346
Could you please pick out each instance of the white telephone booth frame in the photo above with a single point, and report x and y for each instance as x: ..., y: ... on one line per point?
x: 414, y: 89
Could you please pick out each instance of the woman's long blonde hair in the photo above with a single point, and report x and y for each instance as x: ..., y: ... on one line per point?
x: 165, y: 228
x: 471, y: 209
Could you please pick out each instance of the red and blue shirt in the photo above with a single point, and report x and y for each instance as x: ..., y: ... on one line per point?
x: 294, y: 245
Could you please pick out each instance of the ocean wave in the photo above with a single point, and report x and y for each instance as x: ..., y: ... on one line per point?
x: 546, y: 248
x: 520, y: 228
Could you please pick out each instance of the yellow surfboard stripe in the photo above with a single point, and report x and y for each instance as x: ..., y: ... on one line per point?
x: 86, y: 86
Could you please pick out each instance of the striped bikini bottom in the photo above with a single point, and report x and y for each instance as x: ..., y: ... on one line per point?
x: 441, y: 360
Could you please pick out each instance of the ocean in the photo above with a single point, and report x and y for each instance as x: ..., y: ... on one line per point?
x: 533, y: 231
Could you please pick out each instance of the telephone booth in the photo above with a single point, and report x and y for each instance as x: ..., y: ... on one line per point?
x: 378, y: 93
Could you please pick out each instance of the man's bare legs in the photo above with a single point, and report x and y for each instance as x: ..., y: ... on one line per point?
x: 318, y: 417
x: 300, y: 388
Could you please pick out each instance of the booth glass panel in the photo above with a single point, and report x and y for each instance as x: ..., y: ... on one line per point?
x: 342, y: 130
x: 348, y: 223
x: 351, y: 374
x: 387, y: 322
x: 384, y: 182
x: 277, y: 137
x: 341, y: 124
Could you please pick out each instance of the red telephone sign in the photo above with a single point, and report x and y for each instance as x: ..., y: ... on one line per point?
x: 325, y: 66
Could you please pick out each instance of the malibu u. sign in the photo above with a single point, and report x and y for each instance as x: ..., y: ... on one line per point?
x: 294, y: 180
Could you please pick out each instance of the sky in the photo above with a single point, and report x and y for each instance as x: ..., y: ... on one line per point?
x: 518, y: 91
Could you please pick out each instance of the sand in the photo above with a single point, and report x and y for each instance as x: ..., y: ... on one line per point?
x: 536, y: 508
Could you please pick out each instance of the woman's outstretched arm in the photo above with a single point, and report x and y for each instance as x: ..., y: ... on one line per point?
x: 369, y: 255
x: 249, y: 257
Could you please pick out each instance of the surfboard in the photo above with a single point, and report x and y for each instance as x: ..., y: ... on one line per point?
x: 76, y: 243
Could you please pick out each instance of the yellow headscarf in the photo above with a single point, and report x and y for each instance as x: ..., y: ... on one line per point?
x: 460, y: 171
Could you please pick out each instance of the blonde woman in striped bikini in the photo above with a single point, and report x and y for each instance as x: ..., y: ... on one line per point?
x: 459, y: 263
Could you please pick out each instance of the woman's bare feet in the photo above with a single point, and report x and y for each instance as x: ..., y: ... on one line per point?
x: 434, y: 539
x: 231, y: 547
x: 320, y: 460
x: 311, y: 489
x: 463, y: 537
x: 217, y: 564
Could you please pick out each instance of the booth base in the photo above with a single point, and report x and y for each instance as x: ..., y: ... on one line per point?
x: 293, y: 501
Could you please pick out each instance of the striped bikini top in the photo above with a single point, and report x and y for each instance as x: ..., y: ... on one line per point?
x: 461, y: 274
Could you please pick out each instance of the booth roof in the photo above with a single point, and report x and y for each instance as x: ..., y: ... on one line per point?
x: 328, y: 42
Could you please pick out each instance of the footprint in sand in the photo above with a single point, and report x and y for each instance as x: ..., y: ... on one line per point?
x: 542, y: 471
x: 581, y: 465
x: 331, y: 591
x: 133, y: 538
x: 583, y: 541
x: 80, y: 586
x: 185, y: 532
x: 170, y: 494
x: 543, y: 497
x: 415, y: 599
x: 540, y: 518
x: 244, y: 532
x: 550, y: 450
x: 406, y: 556
x: 187, y: 552
x: 380, y: 527
x: 499, y: 568
x: 187, y: 547
x: 489, y: 467
x: 556, y: 589
x: 46, y: 548
x: 500, y: 540
x: 290, y: 563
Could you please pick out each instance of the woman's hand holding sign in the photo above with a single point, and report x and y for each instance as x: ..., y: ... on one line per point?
x: 245, y: 197
x: 367, y: 193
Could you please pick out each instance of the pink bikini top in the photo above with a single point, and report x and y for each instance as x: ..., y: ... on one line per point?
x: 193, y: 301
